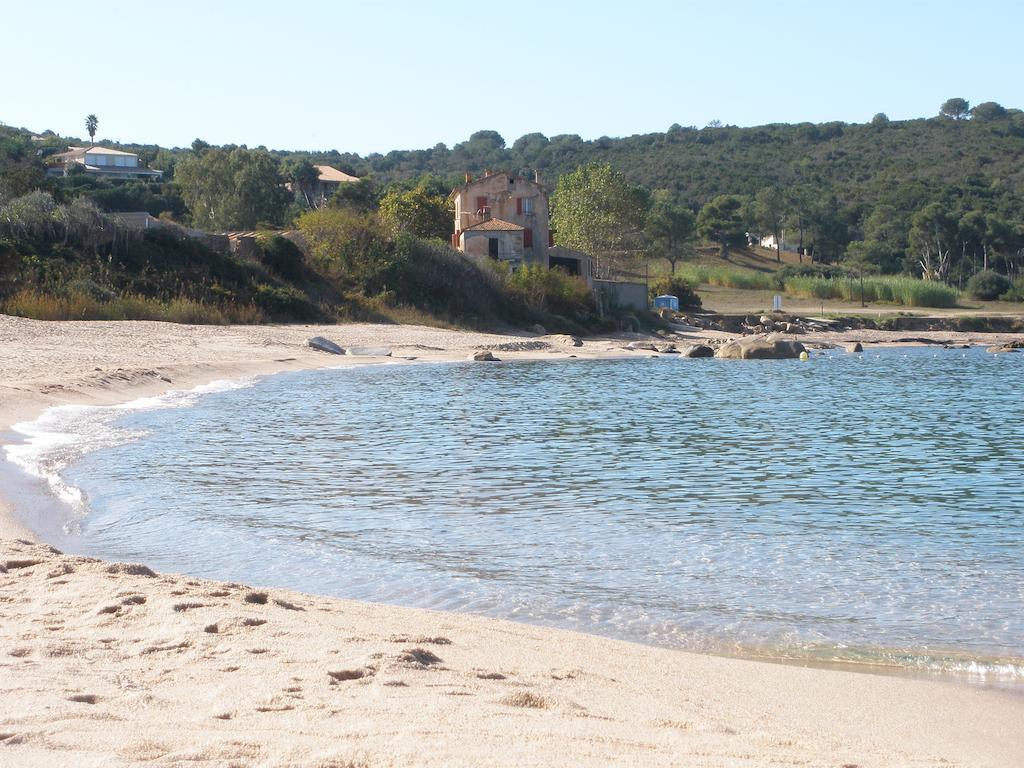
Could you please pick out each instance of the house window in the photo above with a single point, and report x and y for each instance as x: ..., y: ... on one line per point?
x: 527, y: 238
x: 492, y: 247
x: 527, y: 205
x: 481, y: 203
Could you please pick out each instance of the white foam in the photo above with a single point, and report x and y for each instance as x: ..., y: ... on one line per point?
x: 64, y: 434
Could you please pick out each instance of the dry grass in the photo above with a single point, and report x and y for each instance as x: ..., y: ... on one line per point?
x: 82, y: 306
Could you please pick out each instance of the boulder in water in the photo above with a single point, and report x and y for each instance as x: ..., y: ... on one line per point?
x: 760, y: 349
x: 854, y: 347
x: 697, y: 350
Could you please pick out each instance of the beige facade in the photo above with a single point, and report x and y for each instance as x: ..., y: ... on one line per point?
x: 503, y: 216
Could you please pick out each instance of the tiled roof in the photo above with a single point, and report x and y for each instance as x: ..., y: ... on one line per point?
x: 327, y: 173
x: 494, y: 225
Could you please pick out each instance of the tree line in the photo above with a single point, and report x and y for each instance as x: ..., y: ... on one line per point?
x: 940, y: 198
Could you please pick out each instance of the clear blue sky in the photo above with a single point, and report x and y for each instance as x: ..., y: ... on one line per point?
x: 375, y: 76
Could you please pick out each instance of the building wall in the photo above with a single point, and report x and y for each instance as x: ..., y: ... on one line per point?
x: 625, y: 295
x: 510, y: 244
x: 119, y: 161
x: 502, y: 192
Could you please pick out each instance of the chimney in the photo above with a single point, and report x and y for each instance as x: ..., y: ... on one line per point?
x: 536, y: 177
x: 469, y: 177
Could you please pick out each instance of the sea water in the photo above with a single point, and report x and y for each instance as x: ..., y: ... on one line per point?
x: 854, y: 508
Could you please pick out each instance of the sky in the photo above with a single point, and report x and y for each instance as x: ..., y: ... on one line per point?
x: 373, y: 76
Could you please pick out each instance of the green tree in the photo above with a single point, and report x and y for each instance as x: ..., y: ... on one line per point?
x: 863, y: 257
x: 670, y: 228
x: 232, y: 188
x: 988, y: 110
x: 770, y: 214
x: 880, y: 120
x: 303, y: 176
x: 721, y: 221
x: 971, y: 232
x: 932, y: 234
x: 165, y: 160
x: 955, y: 108
x: 800, y: 202
x: 595, y: 210
x: 91, y: 124
x: 346, y: 245
x: 883, y: 244
x: 417, y: 212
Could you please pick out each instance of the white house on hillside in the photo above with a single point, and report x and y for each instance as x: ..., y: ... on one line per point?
x: 103, y: 162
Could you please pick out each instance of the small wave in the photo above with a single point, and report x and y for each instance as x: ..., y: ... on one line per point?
x: 65, y: 433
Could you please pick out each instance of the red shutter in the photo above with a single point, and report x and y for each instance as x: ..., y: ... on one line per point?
x: 519, y: 206
x: 527, y: 238
x: 481, y: 202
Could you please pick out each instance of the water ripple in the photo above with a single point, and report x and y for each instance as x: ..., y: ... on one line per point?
x: 857, y: 507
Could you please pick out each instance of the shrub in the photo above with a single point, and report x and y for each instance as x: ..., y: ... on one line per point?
x: 285, y: 302
x: 551, y: 291
x: 678, y: 287
x: 988, y: 285
x: 1015, y: 292
x: 281, y: 255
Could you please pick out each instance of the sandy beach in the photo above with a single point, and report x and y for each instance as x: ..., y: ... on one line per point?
x: 110, y: 664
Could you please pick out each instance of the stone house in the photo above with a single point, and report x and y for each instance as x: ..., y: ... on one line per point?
x: 504, y: 217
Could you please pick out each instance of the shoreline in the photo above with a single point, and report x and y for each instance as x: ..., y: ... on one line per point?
x: 987, y: 679
x: 715, y: 704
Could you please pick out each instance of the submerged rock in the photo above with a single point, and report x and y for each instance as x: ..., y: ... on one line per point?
x: 760, y: 349
x: 324, y: 345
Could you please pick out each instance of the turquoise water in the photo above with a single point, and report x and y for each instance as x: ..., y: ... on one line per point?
x: 856, y: 508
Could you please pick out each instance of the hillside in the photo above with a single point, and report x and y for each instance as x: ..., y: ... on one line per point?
x: 940, y: 198
x: 901, y: 163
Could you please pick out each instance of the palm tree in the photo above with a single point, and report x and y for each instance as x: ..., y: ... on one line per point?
x: 91, y: 124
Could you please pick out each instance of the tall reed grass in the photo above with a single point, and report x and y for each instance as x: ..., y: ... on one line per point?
x: 908, y: 291
x: 724, y: 277
x: 82, y: 306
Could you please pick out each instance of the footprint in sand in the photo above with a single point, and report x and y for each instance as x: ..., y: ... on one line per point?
x: 351, y: 674
x: 420, y: 657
